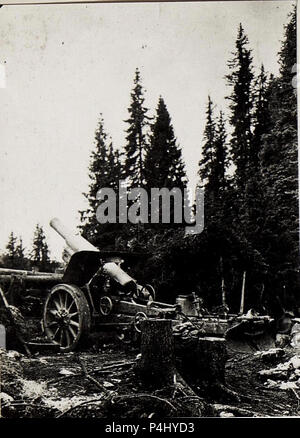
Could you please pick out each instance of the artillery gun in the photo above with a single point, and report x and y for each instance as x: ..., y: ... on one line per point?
x: 95, y: 293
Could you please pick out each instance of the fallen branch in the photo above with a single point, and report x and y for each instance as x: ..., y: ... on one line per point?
x: 295, y: 393
x: 113, y: 399
x: 227, y: 391
x: 78, y: 405
x: 90, y: 378
x: 59, y: 379
x: 297, y: 397
x: 95, y: 371
x: 114, y: 365
x: 135, y: 396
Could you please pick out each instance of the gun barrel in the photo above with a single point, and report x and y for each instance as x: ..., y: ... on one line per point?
x: 40, y: 278
x: 9, y: 272
x: 76, y: 243
x: 79, y: 243
x: 116, y: 273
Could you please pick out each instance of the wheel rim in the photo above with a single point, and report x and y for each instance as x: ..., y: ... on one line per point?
x: 139, y: 317
x: 62, y: 317
x: 106, y: 305
x: 151, y: 291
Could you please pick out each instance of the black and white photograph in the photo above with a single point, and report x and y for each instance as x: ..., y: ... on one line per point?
x: 149, y: 239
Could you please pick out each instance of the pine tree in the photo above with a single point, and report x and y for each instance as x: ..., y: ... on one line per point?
x: 240, y: 79
x: 212, y: 169
x: 261, y: 116
x: 288, y: 51
x: 247, y: 107
x: 164, y: 166
x: 220, y: 158
x: 213, y: 164
x: 105, y: 170
x: 20, y: 255
x: 218, y: 192
x: 136, y: 135
x: 252, y: 208
x: 10, y: 258
x: 40, y: 251
x: 206, y: 162
x: 280, y: 173
x: 15, y: 258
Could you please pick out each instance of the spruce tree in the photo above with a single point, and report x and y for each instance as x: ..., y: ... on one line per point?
x: 20, y: 255
x: 218, y: 217
x: 206, y: 162
x: 136, y: 139
x: 105, y: 171
x: 261, y: 117
x: 247, y: 107
x: 213, y: 164
x: 14, y: 257
x: 240, y: 80
x: 10, y: 257
x: 288, y: 52
x: 280, y: 174
x: 40, y: 251
x: 220, y: 158
x: 252, y: 209
x: 164, y: 166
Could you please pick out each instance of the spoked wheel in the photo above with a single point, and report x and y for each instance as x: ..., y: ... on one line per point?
x: 67, y: 317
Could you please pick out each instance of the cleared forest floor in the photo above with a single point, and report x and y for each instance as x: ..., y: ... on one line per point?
x: 78, y: 384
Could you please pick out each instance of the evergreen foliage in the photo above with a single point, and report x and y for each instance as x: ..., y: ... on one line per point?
x: 136, y: 139
x: 249, y: 173
x: 164, y: 166
x: 104, y: 171
x: 40, y: 251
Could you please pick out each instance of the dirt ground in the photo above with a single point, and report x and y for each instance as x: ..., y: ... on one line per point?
x: 102, y: 383
x: 242, y: 376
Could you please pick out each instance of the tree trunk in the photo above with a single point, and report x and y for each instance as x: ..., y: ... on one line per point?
x: 212, y: 358
x: 201, y: 359
x: 157, y: 363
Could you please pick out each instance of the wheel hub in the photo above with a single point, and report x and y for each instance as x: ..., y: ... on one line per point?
x: 63, y: 317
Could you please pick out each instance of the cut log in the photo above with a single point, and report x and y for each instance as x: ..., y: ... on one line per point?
x: 201, y: 359
x: 157, y: 364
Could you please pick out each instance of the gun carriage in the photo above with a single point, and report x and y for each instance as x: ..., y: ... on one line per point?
x: 95, y: 293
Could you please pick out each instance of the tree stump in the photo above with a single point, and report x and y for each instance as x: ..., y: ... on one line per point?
x: 157, y: 363
x: 15, y: 328
x: 211, y: 358
x: 201, y: 359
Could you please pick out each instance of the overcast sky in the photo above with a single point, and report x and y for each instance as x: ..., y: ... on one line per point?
x: 65, y: 64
